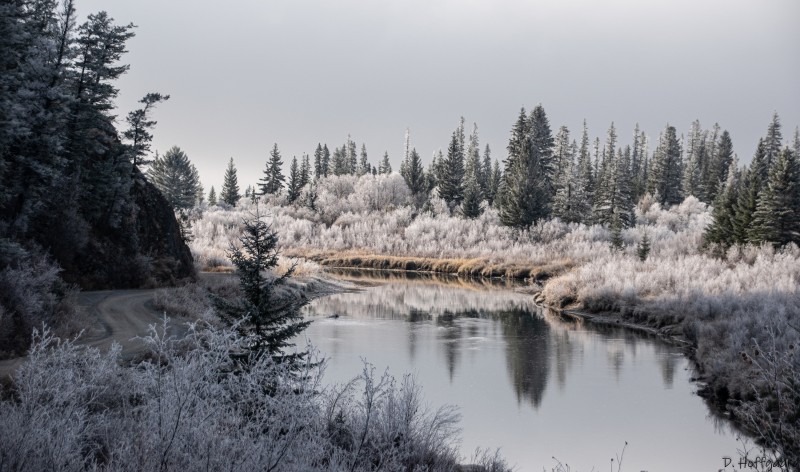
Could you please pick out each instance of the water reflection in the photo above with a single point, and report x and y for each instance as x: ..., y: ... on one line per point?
x: 522, y: 376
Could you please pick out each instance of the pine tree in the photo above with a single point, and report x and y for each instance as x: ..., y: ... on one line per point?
x: 718, y: 171
x: 721, y: 230
x: 295, y: 184
x: 666, y: 169
x: 267, y: 321
x: 585, y: 165
x: 746, y: 202
x: 777, y: 215
x: 494, y: 184
x: 692, y: 182
x: 643, y: 248
x: 230, y: 185
x: 305, y: 171
x: 486, y: 173
x: 326, y: 160
x: 318, y: 169
x: 212, y: 196
x: 542, y: 143
x: 272, y: 182
x: 339, y: 162
x: 176, y: 177
x: 450, y: 180
x: 525, y: 195
x: 772, y: 141
x: 363, y: 163
x: 385, y: 166
x: 139, y: 126
x: 413, y: 173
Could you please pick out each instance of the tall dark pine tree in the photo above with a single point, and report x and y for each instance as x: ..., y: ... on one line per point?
x: 413, y: 173
x: 486, y: 173
x: 525, y: 195
x: 542, y: 144
x: 318, y: 170
x: 363, y: 163
x: 212, y: 196
x: 139, y: 126
x: 772, y: 142
x: 305, y: 171
x: 721, y: 230
x: 450, y: 178
x: 666, y: 169
x: 295, y: 185
x: 777, y: 216
x: 177, y: 178
x: 385, y: 167
x: 267, y: 321
x: 230, y: 185
x: 718, y: 167
x: 272, y: 182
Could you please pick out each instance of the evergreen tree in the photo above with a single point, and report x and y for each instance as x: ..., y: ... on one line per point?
x: 326, y: 160
x: 139, y: 126
x: 772, y: 141
x: 494, y: 184
x: 305, y: 171
x: 385, y: 167
x: 212, y: 196
x: 746, y: 202
x: 230, y: 185
x: 318, y: 169
x: 585, y: 165
x: 471, y: 204
x: 525, y: 195
x: 643, y: 248
x: 295, y: 182
x: 363, y: 163
x: 777, y: 215
x: 664, y: 180
x: 562, y: 159
x: 351, y: 156
x: 413, y: 173
x: 176, y: 177
x: 435, y: 169
x: 692, y: 183
x: 721, y: 230
x: 272, y: 182
x: 268, y: 321
x: 719, y: 165
x: 339, y: 162
x: 486, y: 172
x: 450, y: 180
x: 542, y: 143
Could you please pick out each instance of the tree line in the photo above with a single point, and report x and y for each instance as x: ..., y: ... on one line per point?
x: 547, y: 175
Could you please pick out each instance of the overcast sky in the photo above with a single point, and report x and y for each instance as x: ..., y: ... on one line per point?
x: 244, y: 74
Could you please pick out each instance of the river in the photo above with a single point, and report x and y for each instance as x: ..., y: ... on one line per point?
x: 529, y: 382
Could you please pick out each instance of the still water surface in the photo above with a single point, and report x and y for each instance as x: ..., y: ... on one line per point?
x: 529, y: 382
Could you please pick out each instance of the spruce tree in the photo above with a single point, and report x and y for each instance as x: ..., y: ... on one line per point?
x: 526, y: 189
x: 486, y: 172
x: 413, y: 173
x: 718, y: 172
x: 267, y: 320
x: 494, y: 184
x: 721, y: 230
x: 176, y: 177
x: 295, y: 182
x: 339, y: 162
x: 363, y: 163
x: 666, y: 169
x: 643, y: 247
x: 772, y: 141
x: 471, y: 203
x: 385, y: 166
x: 318, y: 169
x: 272, y: 182
x: 777, y: 215
x: 746, y: 203
x: 450, y: 179
x: 212, y: 196
x: 230, y: 185
x: 326, y: 160
x: 305, y: 170
x: 139, y: 126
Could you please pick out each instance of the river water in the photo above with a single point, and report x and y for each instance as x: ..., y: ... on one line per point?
x: 531, y: 383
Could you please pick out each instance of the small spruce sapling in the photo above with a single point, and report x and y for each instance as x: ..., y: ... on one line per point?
x: 643, y: 248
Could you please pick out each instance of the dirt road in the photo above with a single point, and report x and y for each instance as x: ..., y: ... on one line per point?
x: 115, y: 316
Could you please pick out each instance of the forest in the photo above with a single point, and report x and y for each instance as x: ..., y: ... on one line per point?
x: 672, y: 234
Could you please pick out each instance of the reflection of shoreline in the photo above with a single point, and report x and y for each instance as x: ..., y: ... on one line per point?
x: 367, y: 275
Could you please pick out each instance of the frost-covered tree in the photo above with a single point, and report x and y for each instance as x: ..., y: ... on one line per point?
x: 212, y: 196
x: 486, y: 172
x: 777, y: 215
x: 339, y: 162
x: 525, y: 195
x: 385, y: 167
x: 305, y: 170
x: 267, y: 319
x: 722, y: 230
x: 230, y: 185
x: 693, y: 182
x: 295, y: 182
x: 413, y: 173
x: 319, y: 171
x: 363, y: 163
x: 495, y: 179
x: 451, y: 173
x: 176, y: 177
x: 719, y: 164
x: 666, y: 169
x: 272, y: 182
x: 773, y: 141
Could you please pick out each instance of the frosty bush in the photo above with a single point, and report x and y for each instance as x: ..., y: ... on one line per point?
x: 188, y: 407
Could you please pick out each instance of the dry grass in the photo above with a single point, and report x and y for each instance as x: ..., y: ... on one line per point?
x: 477, y: 267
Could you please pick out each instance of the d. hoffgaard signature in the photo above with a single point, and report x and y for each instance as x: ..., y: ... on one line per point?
x: 760, y: 463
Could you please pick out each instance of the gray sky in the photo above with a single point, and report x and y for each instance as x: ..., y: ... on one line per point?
x: 244, y: 74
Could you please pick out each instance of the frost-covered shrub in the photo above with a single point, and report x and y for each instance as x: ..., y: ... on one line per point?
x: 187, y: 406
